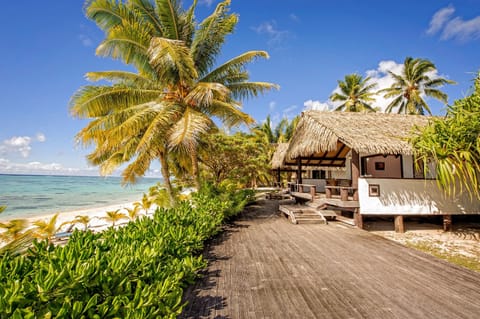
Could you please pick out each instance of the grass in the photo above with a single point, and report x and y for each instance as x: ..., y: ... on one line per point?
x: 452, y: 257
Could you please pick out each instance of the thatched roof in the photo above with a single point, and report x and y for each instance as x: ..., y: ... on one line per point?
x: 279, y: 156
x: 280, y: 161
x: 372, y: 133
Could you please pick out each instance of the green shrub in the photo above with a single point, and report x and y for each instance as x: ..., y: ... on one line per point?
x: 136, y: 271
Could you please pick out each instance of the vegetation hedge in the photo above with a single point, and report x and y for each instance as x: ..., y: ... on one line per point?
x: 136, y: 271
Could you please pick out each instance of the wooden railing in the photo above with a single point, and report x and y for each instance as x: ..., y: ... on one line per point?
x: 342, y: 190
x: 300, y: 188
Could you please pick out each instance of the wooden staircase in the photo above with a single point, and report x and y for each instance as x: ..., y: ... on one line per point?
x: 301, y: 214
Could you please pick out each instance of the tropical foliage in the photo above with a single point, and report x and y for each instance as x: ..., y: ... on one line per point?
x: 281, y: 133
x: 355, y: 94
x: 169, y: 103
x: 241, y: 159
x: 136, y: 271
x: 412, y: 84
x: 453, y: 143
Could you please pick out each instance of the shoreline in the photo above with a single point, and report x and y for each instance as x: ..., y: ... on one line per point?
x: 95, y: 214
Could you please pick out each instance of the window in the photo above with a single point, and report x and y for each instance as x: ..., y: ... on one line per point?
x: 379, y: 166
x: 318, y: 174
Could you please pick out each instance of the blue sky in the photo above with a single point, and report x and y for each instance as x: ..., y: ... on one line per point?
x: 48, y: 46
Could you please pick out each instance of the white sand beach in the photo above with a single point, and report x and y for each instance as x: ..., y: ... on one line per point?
x: 96, y: 215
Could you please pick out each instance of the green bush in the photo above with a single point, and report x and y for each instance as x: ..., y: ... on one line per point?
x: 137, y: 271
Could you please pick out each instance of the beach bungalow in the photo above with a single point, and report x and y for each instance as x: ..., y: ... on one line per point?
x: 374, y: 171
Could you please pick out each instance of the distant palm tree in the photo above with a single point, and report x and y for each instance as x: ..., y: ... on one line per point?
x: 355, y: 94
x: 412, y: 84
x: 114, y: 216
x: 13, y: 228
x: 46, y: 229
x: 133, y: 212
x: 82, y: 219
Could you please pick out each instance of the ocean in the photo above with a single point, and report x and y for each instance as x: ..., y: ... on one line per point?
x: 29, y: 196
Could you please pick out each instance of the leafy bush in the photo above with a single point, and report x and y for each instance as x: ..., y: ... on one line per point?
x: 137, y: 271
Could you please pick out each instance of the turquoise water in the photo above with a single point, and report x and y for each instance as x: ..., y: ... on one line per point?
x: 33, y: 195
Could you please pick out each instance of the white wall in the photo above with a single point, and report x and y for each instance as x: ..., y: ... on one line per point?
x: 411, y: 197
x: 319, y: 183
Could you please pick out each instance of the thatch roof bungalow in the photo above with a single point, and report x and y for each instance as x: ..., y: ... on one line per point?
x: 375, y: 150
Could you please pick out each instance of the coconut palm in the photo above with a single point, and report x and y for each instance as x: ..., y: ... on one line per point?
x: 176, y: 92
x: 133, y: 212
x: 355, y: 94
x: 46, y: 229
x: 114, y: 216
x: 13, y: 229
x: 412, y: 84
x: 82, y: 219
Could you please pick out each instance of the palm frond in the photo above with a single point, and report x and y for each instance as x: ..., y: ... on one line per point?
x: 171, y: 60
x: 233, y: 66
x: 186, y: 132
x: 210, y: 36
x: 245, y: 90
x: 94, y: 101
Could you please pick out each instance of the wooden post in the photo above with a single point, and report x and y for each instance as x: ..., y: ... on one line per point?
x: 344, y: 194
x: 279, y: 179
x: 447, y: 222
x: 355, y: 173
x: 399, y: 225
x: 328, y: 192
x: 358, y: 218
x: 299, y: 171
x: 312, y: 191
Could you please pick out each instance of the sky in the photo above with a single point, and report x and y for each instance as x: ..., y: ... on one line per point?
x: 48, y: 46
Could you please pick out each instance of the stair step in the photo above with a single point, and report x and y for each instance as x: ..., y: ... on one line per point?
x: 345, y: 220
x: 310, y: 221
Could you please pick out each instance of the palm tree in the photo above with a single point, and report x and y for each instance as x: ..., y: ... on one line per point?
x: 13, y: 229
x: 355, y: 94
x: 46, y: 229
x: 82, y: 219
x: 412, y: 84
x: 114, y: 216
x: 170, y: 101
x: 133, y: 212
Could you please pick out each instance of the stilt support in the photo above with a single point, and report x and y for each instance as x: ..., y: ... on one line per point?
x: 358, y: 218
x: 399, y: 225
x: 447, y: 222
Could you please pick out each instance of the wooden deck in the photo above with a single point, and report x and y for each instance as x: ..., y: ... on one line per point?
x: 262, y: 266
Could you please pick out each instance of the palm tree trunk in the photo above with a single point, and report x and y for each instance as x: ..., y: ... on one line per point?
x: 166, y: 177
x: 195, y: 171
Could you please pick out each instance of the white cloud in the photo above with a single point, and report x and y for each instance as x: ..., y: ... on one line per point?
x: 85, y: 40
x: 20, y: 145
x: 41, y: 137
x: 272, y: 105
x: 439, y: 19
x: 275, y: 35
x: 317, y: 105
x: 16, y: 144
x: 294, y: 17
x: 208, y: 3
x: 287, y: 112
x: 454, y: 27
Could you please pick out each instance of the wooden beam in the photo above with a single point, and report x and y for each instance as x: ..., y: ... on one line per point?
x: 355, y: 173
x: 299, y: 171
x: 399, y: 224
x: 339, y: 152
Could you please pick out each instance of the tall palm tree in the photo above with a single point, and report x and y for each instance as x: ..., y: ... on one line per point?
x: 172, y: 98
x: 412, y: 84
x: 355, y: 94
